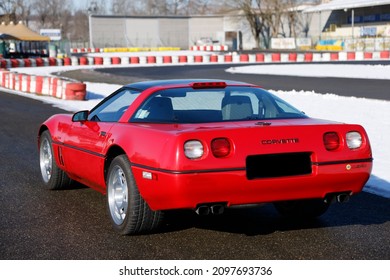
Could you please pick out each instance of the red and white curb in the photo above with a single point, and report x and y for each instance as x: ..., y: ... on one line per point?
x: 197, y: 58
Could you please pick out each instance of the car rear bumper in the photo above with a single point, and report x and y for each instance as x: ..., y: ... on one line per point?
x: 165, y: 190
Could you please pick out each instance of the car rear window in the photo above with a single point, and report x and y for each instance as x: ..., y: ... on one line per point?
x: 187, y: 105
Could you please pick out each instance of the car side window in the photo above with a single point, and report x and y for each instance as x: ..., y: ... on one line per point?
x: 112, y: 109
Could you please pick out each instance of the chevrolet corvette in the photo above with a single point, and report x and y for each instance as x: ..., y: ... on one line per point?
x: 204, y: 145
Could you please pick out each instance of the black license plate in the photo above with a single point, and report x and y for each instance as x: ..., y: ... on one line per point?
x: 278, y: 165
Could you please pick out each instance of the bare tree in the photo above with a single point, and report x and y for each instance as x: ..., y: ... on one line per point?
x: 16, y: 10
x: 269, y: 18
x: 52, y: 13
x: 206, y: 7
x: 165, y: 7
x: 55, y: 14
x: 122, y: 7
x: 295, y: 22
x: 7, y: 6
x: 157, y: 7
x: 101, y: 7
x: 24, y: 9
x: 8, y: 9
x: 79, y: 30
x: 177, y: 7
x: 264, y: 18
x: 197, y: 7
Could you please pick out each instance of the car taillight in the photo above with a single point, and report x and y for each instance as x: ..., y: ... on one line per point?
x: 354, y: 140
x: 220, y: 147
x: 331, y: 141
x: 193, y: 149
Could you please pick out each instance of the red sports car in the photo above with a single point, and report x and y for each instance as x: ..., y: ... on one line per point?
x: 203, y: 145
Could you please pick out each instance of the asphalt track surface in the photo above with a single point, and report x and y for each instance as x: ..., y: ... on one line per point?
x: 36, y: 223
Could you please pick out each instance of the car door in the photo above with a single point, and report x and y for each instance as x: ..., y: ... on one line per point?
x: 84, y: 157
x: 87, y: 140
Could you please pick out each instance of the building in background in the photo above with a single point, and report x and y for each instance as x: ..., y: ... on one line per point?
x: 362, y: 25
x: 154, y: 32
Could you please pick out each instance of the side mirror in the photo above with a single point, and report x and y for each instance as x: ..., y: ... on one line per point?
x: 81, y: 116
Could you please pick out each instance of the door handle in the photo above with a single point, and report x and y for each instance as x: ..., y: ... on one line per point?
x: 102, y: 133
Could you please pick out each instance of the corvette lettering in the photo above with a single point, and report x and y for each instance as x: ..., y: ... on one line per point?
x: 280, y: 141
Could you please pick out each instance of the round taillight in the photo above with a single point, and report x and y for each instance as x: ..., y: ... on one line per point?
x: 220, y: 147
x: 354, y: 140
x: 193, y: 149
x: 331, y: 141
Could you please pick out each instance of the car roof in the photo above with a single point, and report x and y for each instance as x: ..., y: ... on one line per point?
x: 149, y: 84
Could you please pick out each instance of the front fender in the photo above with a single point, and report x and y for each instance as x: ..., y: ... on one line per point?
x: 58, y: 126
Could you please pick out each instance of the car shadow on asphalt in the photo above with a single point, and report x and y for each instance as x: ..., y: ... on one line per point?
x: 362, y: 209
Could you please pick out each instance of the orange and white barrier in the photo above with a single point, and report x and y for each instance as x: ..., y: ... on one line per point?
x: 47, y: 86
x: 86, y: 50
x: 217, y: 48
x: 75, y: 91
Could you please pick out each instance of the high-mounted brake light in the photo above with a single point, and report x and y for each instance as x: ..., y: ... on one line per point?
x: 199, y: 85
x: 331, y: 141
x: 220, y: 147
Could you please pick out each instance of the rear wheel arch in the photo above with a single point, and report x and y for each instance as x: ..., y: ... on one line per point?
x: 128, y: 211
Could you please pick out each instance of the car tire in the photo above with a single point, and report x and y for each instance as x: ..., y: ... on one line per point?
x: 53, y: 177
x: 128, y: 211
x: 308, y: 208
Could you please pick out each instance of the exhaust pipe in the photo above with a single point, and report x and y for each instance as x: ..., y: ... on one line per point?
x: 342, y: 198
x: 337, y: 197
x: 217, y: 209
x: 202, y: 210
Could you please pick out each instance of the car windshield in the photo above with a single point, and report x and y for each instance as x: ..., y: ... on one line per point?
x: 188, y: 105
